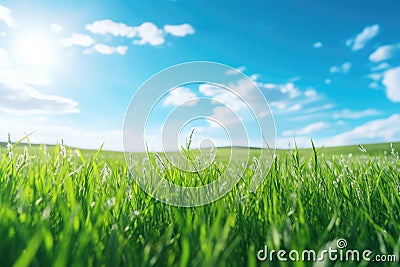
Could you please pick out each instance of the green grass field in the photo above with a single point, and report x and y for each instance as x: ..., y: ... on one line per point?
x: 65, y: 207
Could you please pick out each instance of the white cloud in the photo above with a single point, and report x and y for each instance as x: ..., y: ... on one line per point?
x: 5, y: 16
x: 381, y: 130
x: 4, y: 62
x: 352, y: 114
x: 108, y: 26
x: 279, y: 104
x: 375, y: 76
x: 226, y: 116
x: 344, y: 68
x: 236, y: 71
x: 309, y: 129
x: 17, y: 98
x: 317, y: 45
x: 362, y: 38
x: 254, y: 77
x: 270, y: 86
x: 310, y: 93
x: 334, y: 69
x: 318, y: 109
x: 56, y: 27
x: 222, y: 96
x: 241, y: 68
x: 283, y: 96
x: 327, y: 81
x: 179, y: 30
x: 149, y: 33
x: 146, y: 33
x: 391, y: 81
x: 384, y: 52
x: 242, y: 94
x: 376, y: 79
x: 290, y: 89
x: 243, y: 102
x: 181, y: 96
x: 295, y: 107
x: 374, y: 85
x: 107, y: 50
x: 121, y: 50
x: 381, y: 66
x: 78, y: 39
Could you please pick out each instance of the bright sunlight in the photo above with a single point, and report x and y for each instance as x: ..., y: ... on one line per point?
x: 36, y: 50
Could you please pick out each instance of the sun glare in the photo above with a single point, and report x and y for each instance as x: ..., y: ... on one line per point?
x: 36, y: 50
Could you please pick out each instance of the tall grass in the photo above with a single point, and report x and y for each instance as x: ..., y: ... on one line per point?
x: 67, y: 208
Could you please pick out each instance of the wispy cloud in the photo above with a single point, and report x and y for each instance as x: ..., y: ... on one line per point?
x: 288, y: 97
x: 344, y: 68
x: 318, y: 109
x: 291, y: 90
x: 107, y: 50
x: 380, y: 130
x: 381, y: 66
x: 374, y: 85
x: 317, y: 45
x: 361, y: 39
x: 294, y: 107
x: 108, y: 26
x: 79, y: 40
x: 146, y: 33
x: 5, y: 16
x: 353, y: 114
x: 384, y: 52
x: 220, y: 95
x: 376, y: 80
x: 226, y: 116
x: 310, y: 93
x: 181, y: 96
x: 17, y: 98
x: 391, y: 80
x: 236, y: 71
x: 376, y: 76
x: 386, y: 130
x: 309, y: 129
x: 237, y: 105
x: 179, y: 30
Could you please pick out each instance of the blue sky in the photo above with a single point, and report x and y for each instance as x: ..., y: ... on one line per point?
x: 330, y: 70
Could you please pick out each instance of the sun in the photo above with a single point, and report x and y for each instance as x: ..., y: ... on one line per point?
x: 36, y: 50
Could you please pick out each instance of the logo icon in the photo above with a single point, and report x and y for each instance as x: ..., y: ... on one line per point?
x: 203, y: 126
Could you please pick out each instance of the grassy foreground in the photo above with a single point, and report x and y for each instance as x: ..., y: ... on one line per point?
x: 69, y: 207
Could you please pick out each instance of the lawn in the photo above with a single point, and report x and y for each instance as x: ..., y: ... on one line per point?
x: 62, y: 206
